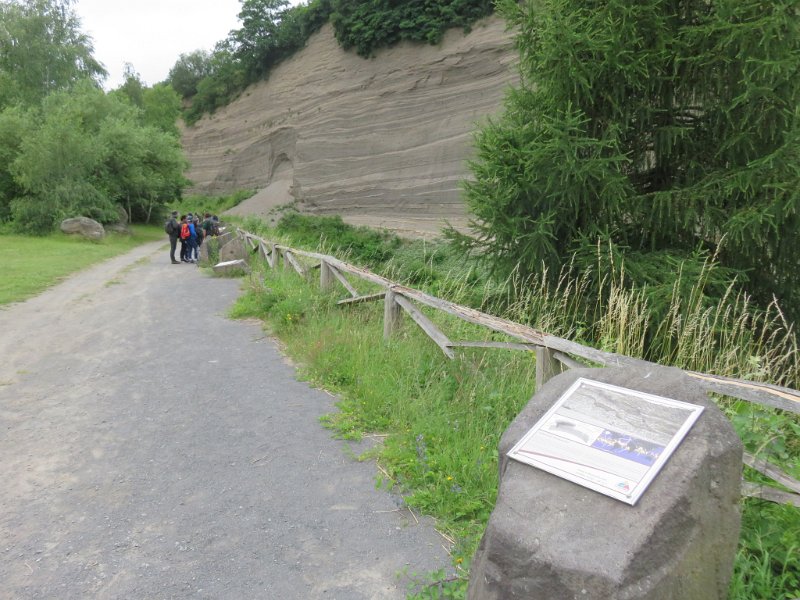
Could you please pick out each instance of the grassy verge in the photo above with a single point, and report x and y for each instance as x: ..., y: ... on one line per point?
x: 215, y: 205
x: 32, y: 264
x: 442, y: 419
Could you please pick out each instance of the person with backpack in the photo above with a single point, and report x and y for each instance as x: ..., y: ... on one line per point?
x: 173, y: 229
x: 191, y: 241
x: 184, y: 239
x: 200, y: 236
x: 208, y: 226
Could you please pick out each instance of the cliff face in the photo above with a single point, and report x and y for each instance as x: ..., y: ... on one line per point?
x: 381, y: 141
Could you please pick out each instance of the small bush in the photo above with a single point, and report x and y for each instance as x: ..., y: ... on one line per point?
x: 362, y: 245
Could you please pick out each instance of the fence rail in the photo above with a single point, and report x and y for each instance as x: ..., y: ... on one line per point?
x: 553, y: 354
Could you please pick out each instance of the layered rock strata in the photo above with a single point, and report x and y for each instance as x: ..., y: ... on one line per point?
x: 381, y: 141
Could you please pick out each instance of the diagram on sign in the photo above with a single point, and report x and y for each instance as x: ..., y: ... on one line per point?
x: 607, y: 438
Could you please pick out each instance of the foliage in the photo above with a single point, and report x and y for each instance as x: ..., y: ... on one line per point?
x: 667, y: 130
x: 42, y: 50
x: 85, y: 152
x: 257, y: 42
x: 270, y: 32
x: 223, y: 83
x: 367, y: 25
x: 768, y: 562
x: 31, y: 265
x: 15, y: 123
x: 436, y: 586
x: 442, y: 419
x: 132, y: 87
x: 188, y: 71
x: 201, y: 204
x: 159, y: 106
x: 365, y: 246
x: 66, y: 148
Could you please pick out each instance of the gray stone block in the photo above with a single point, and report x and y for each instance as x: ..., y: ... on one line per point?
x: 232, y: 268
x: 550, y: 539
x: 204, y: 251
x: 234, y: 249
x: 224, y: 238
x: 83, y: 226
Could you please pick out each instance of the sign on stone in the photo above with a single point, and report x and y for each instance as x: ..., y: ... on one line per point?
x: 607, y: 438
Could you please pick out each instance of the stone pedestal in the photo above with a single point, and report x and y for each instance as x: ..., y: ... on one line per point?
x: 231, y: 268
x: 550, y: 539
x: 232, y: 249
x: 224, y: 238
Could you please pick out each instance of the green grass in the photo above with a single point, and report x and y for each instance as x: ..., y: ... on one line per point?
x: 442, y: 419
x: 32, y: 264
x: 215, y: 205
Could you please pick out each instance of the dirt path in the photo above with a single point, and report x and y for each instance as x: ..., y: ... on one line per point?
x: 152, y: 448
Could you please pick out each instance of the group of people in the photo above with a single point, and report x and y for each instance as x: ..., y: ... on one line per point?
x: 191, y: 232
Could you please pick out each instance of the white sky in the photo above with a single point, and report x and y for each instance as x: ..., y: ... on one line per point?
x: 152, y: 34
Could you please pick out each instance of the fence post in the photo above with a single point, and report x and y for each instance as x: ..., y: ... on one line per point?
x: 547, y: 366
x: 276, y: 257
x: 325, y: 275
x: 391, y: 314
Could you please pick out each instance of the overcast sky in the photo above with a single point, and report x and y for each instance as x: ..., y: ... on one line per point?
x: 152, y: 34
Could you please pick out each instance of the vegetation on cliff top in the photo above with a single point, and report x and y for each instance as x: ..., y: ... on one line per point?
x: 271, y: 31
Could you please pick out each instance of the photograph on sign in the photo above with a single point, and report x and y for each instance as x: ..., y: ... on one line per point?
x: 607, y: 438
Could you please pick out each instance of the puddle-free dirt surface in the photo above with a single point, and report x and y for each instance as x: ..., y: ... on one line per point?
x: 150, y: 447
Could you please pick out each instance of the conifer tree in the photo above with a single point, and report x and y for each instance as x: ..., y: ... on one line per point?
x: 666, y: 129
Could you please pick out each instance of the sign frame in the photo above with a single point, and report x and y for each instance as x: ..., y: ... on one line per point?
x: 607, y: 438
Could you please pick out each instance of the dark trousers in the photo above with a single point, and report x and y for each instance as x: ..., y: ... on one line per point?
x: 184, y: 249
x: 173, y: 243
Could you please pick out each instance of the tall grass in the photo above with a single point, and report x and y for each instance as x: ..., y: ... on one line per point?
x: 442, y: 419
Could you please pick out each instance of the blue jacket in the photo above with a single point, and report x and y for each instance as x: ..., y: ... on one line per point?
x: 192, y: 232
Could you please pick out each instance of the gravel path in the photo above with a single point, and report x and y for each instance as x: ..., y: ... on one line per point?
x: 152, y: 448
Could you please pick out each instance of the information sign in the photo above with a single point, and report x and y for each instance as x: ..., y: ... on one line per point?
x: 607, y: 438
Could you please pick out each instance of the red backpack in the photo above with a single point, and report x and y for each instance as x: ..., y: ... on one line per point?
x: 184, y: 231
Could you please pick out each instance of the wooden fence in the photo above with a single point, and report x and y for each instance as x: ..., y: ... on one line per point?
x: 553, y: 354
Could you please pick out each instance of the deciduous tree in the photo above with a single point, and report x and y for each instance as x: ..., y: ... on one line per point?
x: 42, y: 49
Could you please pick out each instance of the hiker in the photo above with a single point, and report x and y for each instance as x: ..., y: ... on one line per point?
x: 173, y: 229
x: 208, y: 226
x: 200, y: 236
x: 191, y: 241
x: 184, y: 239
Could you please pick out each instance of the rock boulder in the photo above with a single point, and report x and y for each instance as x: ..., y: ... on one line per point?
x: 83, y: 226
